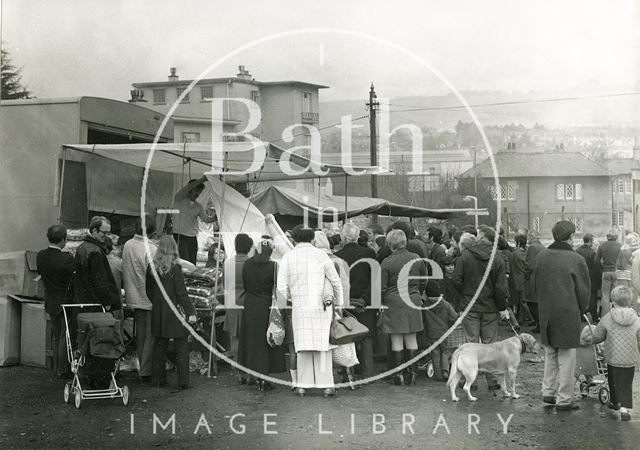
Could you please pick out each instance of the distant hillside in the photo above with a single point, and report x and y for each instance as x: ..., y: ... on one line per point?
x: 614, y: 111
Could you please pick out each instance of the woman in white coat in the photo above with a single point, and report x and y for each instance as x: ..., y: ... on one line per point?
x: 300, y: 280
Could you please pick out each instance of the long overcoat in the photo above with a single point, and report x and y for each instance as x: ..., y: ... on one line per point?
x: 563, y: 289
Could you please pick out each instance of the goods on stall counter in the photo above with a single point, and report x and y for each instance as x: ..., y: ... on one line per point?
x: 206, y: 274
x: 77, y: 234
x: 200, y: 301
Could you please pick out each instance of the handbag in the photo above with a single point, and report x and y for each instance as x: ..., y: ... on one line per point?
x: 276, y: 329
x: 345, y: 355
x: 345, y: 329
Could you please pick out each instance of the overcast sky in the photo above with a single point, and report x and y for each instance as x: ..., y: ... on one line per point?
x: 91, y: 47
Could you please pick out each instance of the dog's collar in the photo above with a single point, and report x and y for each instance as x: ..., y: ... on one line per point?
x: 523, y: 346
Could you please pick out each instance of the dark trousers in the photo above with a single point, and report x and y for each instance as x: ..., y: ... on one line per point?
x: 59, y: 345
x: 593, y: 306
x: 620, y: 385
x: 483, y: 327
x: 533, y: 307
x: 159, y: 360
x: 440, y: 360
x: 365, y: 356
x: 187, y: 247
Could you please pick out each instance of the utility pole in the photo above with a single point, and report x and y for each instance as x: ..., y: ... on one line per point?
x: 372, y: 107
x: 475, y: 172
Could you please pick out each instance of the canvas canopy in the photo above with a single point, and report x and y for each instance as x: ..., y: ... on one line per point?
x: 286, y: 201
x: 172, y: 165
x: 239, y: 157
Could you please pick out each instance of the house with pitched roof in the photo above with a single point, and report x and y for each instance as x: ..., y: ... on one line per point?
x: 538, y: 189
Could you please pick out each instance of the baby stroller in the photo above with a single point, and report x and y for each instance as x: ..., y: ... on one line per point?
x: 96, y: 356
x: 589, y: 364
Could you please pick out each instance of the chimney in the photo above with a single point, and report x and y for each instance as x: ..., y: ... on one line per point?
x: 636, y: 149
x: 172, y: 75
x: 243, y: 74
x: 137, y: 95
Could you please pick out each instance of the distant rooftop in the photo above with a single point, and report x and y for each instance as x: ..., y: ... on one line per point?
x: 243, y: 76
x: 555, y: 164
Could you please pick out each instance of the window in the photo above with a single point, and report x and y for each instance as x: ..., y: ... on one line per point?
x: 190, y: 136
x: 620, y: 186
x: 179, y: 92
x: 511, y: 191
x: 577, y: 222
x: 621, y: 218
x: 627, y: 186
x: 255, y: 96
x: 159, y: 97
x: 503, y: 192
x: 578, y: 191
x: 536, y: 224
x: 306, y: 102
x: 568, y: 191
x: 206, y: 93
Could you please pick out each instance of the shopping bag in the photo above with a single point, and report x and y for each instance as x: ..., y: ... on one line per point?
x: 275, y: 330
x: 346, y: 329
x: 345, y: 355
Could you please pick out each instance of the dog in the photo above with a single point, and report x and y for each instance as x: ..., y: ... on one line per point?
x: 498, y: 358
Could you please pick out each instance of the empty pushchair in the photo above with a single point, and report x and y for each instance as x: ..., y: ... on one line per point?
x: 591, y: 370
x: 96, y: 355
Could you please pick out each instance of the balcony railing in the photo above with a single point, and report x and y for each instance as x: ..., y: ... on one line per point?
x: 310, y: 117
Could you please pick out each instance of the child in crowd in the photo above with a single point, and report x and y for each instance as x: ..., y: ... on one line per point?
x: 620, y: 331
x: 439, y: 316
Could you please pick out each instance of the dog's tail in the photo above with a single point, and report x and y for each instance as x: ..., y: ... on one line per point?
x: 454, y: 366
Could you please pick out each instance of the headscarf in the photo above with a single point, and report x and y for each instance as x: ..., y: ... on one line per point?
x: 320, y: 241
x: 264, y: 248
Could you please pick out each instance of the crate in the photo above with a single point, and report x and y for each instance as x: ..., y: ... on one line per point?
x: 35, y: 336
x: 10, y: 322
x: 19, y: 274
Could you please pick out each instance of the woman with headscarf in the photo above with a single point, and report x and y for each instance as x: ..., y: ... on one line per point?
x: 400, y: 320
x: 259, y: 277
x: 321, y: 241
x: 164, y: 323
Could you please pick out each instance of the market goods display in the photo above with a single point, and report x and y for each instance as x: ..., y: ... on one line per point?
x: 201, y: 287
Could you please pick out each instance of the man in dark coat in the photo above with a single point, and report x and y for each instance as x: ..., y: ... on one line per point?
x: 563, y: 288
x: 607, y: 257
x: 360, y: 292
x: 481, y: 323
x: 589, y: 255
x: 56, y: 270
x: 534, y: 247
x: 94, y: 282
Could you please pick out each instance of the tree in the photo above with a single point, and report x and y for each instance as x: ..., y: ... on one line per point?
x: 11, y: 87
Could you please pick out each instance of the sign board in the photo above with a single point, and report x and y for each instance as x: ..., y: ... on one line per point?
x: 478, y: 212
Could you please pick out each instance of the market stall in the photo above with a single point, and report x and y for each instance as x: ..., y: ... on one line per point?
x: 188, y: 161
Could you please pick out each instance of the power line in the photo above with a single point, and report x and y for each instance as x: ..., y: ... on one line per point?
x: 478, y: 105
x: 514, y: 102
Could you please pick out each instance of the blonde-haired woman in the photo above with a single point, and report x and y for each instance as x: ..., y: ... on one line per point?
x: 164, y: 323
x: 401, y: 320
